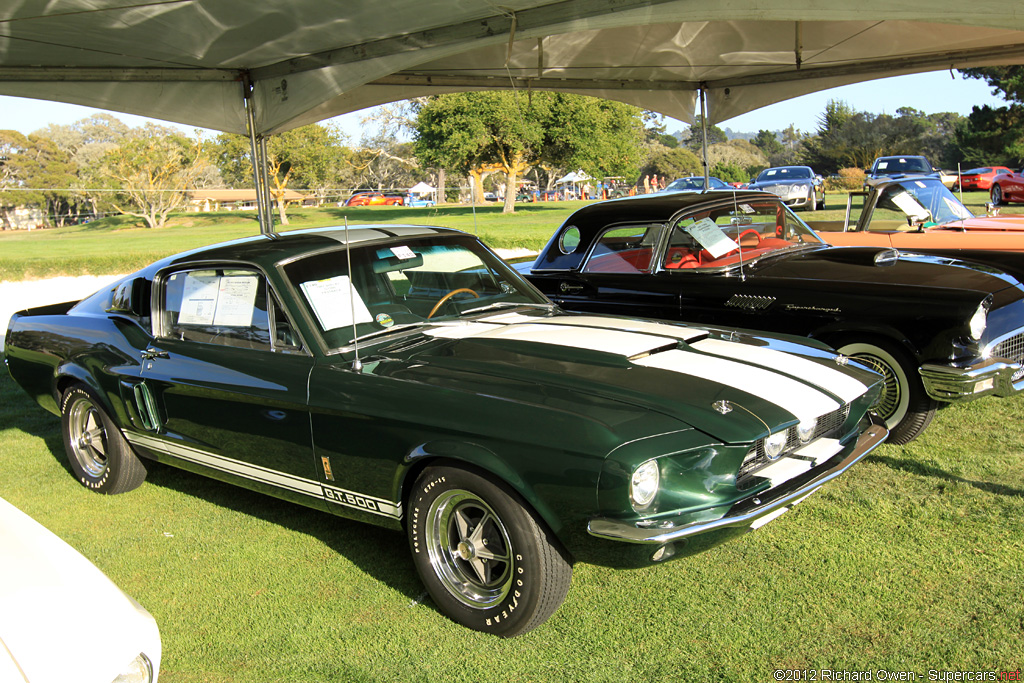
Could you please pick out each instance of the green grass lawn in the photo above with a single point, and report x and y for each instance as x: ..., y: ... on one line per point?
x: 913, y: 560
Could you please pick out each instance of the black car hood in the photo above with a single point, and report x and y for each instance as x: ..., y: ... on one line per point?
x: 836, y: 266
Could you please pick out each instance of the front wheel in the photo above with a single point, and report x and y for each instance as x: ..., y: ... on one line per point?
x: 996, y: 195
x: 99, y: 454
x: 812, y: 202
x: 903, y: 404
x: 483, y: 557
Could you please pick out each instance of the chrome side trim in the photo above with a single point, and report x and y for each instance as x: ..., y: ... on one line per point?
x: 263, y: 475
x: 615, y: 530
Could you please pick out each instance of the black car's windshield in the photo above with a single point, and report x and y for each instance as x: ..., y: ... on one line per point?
x: 693, y: 183
x: 403, y: 284
x: 785, y: 173
x: 919, y: 201
x: 894, y: 165
x: 731, y: 233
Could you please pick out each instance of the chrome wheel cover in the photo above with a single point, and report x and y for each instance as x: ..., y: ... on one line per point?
x: 892, y: 393
x: 88, y: 437
x: 469, y: 549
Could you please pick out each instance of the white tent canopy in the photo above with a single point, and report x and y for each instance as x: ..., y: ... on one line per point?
x: 574, y: 177
x: 300, y: 61
x: 421, y: 188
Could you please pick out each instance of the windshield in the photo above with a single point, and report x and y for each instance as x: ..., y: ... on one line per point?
x: 894, y: 165
x: 788, y: 173
x: 729, y: 233
x: 922, y: 200
x: 693, y: 183
x: 404, y: 283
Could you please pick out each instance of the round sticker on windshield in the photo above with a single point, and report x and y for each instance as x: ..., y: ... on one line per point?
x: 384, y: 320
x: 569, y: 240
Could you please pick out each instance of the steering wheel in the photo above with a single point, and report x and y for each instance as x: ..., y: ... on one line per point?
x: 447, y: 296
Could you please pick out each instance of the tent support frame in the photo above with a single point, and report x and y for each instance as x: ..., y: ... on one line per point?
x: 258, y: 154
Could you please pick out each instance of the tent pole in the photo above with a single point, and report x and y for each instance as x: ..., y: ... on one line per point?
x: 257, y: 152
x: 704, y: 137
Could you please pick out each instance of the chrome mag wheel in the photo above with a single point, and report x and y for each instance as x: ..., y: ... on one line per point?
x: 88, y: 438
x: 469, y: 548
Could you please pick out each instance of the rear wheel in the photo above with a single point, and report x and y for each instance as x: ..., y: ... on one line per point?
x: 903, y: 404
x: 483, y: 557
x: 996, y: 195
x: 99, y: 455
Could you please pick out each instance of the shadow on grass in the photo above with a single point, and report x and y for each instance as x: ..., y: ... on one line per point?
x: 381, y: 553
x: 925, y: 470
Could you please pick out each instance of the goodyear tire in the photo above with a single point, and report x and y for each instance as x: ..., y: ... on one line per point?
x: 903, y: 405
x: 100, y: 456
x: 483, y: 557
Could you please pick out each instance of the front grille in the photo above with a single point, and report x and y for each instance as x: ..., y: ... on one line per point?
x: 828, y: 425
x: 1011, y: 348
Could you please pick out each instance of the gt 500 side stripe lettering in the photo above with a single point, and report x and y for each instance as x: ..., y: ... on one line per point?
x: 833, y: 380
x: 801, y: 400
x: 309, y: 487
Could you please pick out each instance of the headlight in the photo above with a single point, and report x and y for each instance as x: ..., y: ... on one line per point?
x: 805, y: 430
x: 644, y: 485
x: 774, y: 444
x: 139, y: 671
x: 978, y: 322
x: 799, y: 189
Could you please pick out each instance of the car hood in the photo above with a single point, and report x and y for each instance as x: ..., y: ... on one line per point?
x: 61, y: 618
x: 987, y: 223
x: 840, y: 268
x: 641, y: 367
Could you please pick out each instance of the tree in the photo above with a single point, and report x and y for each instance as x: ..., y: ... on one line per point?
x: 33, y: 172
x: 995, y: 135
x: 695, y: 143
x: 486, y: 132
x: 311, y: 157
x: 743, y: 157
x: 155, y: 167
x: 672, y: 164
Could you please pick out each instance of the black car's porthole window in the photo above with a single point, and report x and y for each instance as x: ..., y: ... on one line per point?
x: 569, y: 240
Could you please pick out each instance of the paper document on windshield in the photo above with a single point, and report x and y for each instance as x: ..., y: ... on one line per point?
x: 711, y: 237
x: 910, y: 206
x: 333, y: 301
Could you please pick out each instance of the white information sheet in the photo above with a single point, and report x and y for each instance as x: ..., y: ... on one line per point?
x: 235, y: 300
x: 711, y: 237
x: 199, y: 299
x: 910, y: 206
x: 404, y: 253
x: 332, y: 300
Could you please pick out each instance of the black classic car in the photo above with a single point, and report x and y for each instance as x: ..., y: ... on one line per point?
x: 406, y: 376
x: 797, y: 186
x: 939, y: 329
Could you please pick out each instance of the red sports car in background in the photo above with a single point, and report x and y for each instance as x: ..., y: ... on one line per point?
x: 1008, y: 187
x: 979, y: 178
x: 374, y: 198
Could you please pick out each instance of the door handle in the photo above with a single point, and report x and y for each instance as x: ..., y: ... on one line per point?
x: 151, y: 353
x: 570, y: 288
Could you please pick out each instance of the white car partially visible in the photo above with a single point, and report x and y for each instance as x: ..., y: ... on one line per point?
x: 61, y: 619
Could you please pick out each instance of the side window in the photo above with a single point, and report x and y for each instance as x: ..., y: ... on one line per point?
x: 624, y: 250
x: 228, y: 307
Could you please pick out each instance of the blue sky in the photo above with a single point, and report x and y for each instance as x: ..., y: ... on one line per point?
x: 931, y: 93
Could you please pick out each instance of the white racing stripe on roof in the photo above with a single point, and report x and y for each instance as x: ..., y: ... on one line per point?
x: 803, y: 401
x: 833, y: 380
x: 640, y: 326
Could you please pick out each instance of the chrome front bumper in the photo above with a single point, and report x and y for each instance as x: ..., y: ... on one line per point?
x: 989, y: 377
x: 766, y: 503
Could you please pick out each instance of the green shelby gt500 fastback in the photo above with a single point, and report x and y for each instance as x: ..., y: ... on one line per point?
x: 406, y: 376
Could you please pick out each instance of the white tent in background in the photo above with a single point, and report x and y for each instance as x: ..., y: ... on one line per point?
x: 422, y: 188
x: 574, y: 177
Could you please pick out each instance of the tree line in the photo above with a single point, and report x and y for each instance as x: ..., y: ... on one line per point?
x: 483, y: 140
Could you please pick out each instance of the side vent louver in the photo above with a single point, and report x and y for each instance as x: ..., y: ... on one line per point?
x: 750, y: 302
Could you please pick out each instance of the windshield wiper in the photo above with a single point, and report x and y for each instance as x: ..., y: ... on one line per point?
x: 389, y: 330
x: 506, y: 304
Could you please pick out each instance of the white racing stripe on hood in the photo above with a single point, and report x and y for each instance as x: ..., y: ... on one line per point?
x: 639, y: 326
x: 618, y: 342
x: 833, y: 380
x: 801, y: 400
